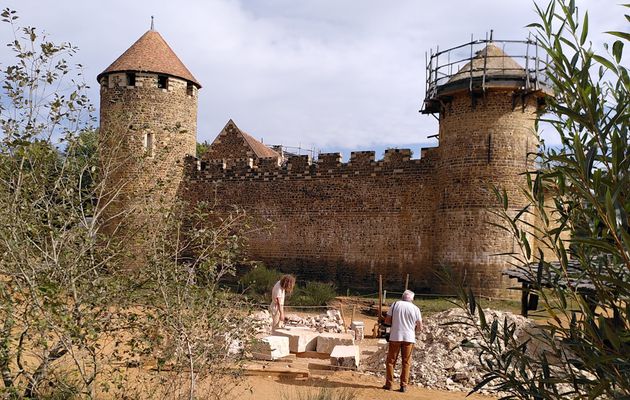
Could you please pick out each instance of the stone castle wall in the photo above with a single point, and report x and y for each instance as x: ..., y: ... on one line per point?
x: 340, y: 222
x: 349, y: 222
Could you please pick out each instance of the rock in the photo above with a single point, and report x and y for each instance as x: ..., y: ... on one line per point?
x: 330, y: 326
x: 271, y: 348
x: 460, y: 377
x: 359, y: 330
x: 345, y: 356
x: 326, y: 342
x: 333, y: 314
x: 300, y: 339
x: 438, y: 360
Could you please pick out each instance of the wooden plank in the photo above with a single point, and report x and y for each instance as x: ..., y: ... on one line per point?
x: 286, y: 372
x: 313, y: 354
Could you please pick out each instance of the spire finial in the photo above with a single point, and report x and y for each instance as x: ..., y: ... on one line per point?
x: 152, y: 26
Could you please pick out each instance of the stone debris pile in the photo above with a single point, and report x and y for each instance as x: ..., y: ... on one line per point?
x: 261, y: 322
x: 330, y: 322
x: 439, y: 362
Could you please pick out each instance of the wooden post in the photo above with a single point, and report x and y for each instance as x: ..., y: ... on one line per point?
x: 524, y: 299
x: 407, y: 282
x: 354, y: 309
x: 343, y: 320
x: 380, y: 298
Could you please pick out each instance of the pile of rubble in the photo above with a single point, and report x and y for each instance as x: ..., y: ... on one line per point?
x: 439, y: 362
x: 330, y: 322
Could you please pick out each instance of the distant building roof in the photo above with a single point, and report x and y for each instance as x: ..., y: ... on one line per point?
x: 259, y: 148
x: 233, y: 143
x: 151, y: 53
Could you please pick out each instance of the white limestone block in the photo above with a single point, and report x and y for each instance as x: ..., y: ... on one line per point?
x: 271, y: 348
x: 345, y: 356
x: 300, y: 339
x: 359, y: 330
x: 326, y: 342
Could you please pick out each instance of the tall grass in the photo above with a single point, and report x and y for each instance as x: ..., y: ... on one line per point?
x: 324, y: 393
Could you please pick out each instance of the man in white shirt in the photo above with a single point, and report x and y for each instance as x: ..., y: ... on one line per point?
x: 406, y: 320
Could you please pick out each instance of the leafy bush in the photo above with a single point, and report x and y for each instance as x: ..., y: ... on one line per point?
x: 314, y: 294
x: 259, y: 281
x: 66, y: 290
x: 581, y: 195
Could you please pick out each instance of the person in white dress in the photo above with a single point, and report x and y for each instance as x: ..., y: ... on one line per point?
x: 280, y: 290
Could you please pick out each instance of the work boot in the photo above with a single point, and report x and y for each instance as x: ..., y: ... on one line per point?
x: 387, y: 387
x: 403, y: 389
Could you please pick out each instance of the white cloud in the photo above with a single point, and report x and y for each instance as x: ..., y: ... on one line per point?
x: 325, y: 73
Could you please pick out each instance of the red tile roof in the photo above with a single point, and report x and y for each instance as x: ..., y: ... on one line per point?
x: 257, y: 147
x: 151, y: 53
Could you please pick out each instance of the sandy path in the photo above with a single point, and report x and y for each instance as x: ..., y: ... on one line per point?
x: 366, y: 387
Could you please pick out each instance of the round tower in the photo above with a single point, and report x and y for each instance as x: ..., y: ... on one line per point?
x: 148, y: 124
x: 487, y: 105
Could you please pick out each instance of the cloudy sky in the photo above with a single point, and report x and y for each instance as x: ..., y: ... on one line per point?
x: 334, y: 75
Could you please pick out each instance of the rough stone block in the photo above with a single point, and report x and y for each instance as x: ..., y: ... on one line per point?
x: 358, y: 327
x: 326, y: 342
x: 271, y: 348
x: 300, y: 339
x: 345, y: 356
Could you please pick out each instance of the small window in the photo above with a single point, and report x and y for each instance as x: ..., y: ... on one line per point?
x: 131, y: 79
x: 162, y: 82
x: 148, y: 144
x: 189, y: 89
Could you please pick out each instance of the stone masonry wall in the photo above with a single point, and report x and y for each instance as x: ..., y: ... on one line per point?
x: 146, y: 132
x: 482, y: 145
x: 332, y: 221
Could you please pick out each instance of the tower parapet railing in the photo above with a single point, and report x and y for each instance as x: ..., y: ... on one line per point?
x: 483, y: 64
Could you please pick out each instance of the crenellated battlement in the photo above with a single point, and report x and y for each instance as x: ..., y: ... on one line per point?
x: 118, y: 81
x: 361, y: 163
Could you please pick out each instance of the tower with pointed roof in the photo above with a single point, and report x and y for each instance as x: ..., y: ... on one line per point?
x: 148, y: 124
x: 487, y: 106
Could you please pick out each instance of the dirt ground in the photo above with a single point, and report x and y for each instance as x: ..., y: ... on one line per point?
x: 365, y: 387
x: 275, y: 385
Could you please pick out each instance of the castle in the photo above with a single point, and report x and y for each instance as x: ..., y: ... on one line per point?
x: 336, y: 221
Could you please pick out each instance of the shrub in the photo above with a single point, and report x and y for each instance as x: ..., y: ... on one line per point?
x: 314, y: 294
x: 259, y: 281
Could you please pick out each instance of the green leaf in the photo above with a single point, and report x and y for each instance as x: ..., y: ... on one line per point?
x: 584, y: 29
x: 605, y: 62
x: 472, y: 303
x: 482, y: 317
x: 487, y: 379
x: 617, y: 50
x: 493, y: 330
x: 623, y: 35
x: 611, y: 211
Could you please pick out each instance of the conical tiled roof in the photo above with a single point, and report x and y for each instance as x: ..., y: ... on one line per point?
x: 151, y: 53
x: 495, y: 63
